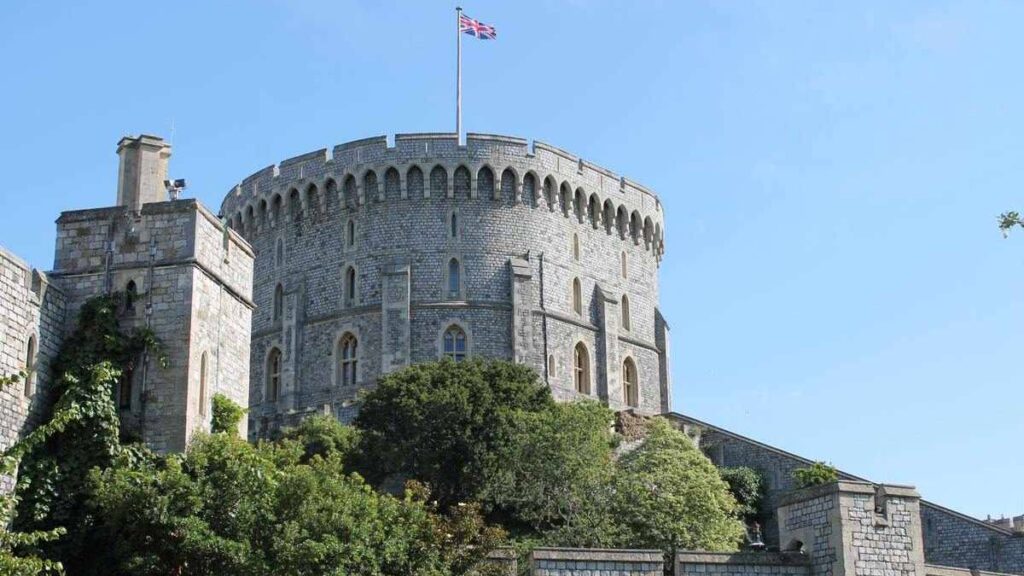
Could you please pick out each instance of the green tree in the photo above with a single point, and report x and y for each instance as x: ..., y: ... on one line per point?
x: 322, y: 435
x: 553, y: 477
x: 439, y: 422
x: 815, y: 475
x: 747, y: 486
x: 226, y: 415
x: 1010, y: 220
x: 13, y: 560
x: 668, y: 495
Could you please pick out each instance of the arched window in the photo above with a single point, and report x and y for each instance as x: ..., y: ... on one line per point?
x: 350, y: 287
x: 576, y: 247
x: 625, y: 270
x: 455, y: 343
x: 124, y: 386
x: 278, y: 302
x: 581, y: 368
x: 350, y: 234
x: 346, y: 355
x: 273, y: 375
x: 370, y: 185
x: 454, y: 278
x: 30, y: 365
x: 279, y: 252
x: 625, y: 312
x: 530, y: 190
x: 414, y: 182
x: 453, y: 226
x: 438, y: 182
x: 577, y: 297
x: 485, y: 183
x: 630, y: 384
x: 202, y: 384
x: 131, y: 294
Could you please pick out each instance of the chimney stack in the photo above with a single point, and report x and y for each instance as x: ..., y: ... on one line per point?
x: 142, y: 170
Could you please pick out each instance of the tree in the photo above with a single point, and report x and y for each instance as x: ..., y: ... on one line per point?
x: 1009, y: 220
x: 226, y: 415
x: 670, y: 496
x: 815, y: 475
x: 323, y: 436
x: 747, y: 486
x: 554, y: 475
x: 11, y: 561
x: 438, y: 422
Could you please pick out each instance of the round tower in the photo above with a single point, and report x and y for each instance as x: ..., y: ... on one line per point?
x: 371, y: 257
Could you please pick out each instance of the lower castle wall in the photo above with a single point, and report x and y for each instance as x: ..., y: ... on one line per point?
x: 30, y: 307
x: 596, y: 562
x: 741, y: 564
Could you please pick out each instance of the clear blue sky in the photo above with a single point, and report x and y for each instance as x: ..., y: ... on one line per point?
x: 831, y: 173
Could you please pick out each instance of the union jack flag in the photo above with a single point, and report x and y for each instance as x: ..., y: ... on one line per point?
x: 476, y: 28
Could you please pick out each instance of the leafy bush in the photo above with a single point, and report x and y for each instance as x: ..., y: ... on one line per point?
x: 438, y: 423
x: 668, y: 495
x: 747, y: 486
x: 323, y: 436
x: 815, y: 475
x: 226, y: 415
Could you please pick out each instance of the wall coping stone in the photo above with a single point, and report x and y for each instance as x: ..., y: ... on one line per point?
x: 745, y: 558
x: 846, y: 487
x: 597, y: 555
x: 936, y: 570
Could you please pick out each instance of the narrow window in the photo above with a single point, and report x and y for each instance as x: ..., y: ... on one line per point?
x: 124, y: 386
x: 577, y: 297
x: 279, y: 252
x: 202, y: 384
x: 350, y: 287
x: 625, y: 270
x: 625, y: 312
x: 576, y: 247
x: 273, y: 375
x: 347, y: 359
x: 454, y: 279
x: 30, y: 365
x: 350, y: 234
x: 131, y: 293
x: 454, y: 226
x: 631, y: 390
x: 551, y: 366
x: 455, y: 343
x: 278, y: 302
x: 581, y: 369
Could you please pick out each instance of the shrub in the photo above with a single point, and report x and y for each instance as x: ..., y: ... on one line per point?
x: 747, y: 486
x: 815, y: 475
x: 226, y: 415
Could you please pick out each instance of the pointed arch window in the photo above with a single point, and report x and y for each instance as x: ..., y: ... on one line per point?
x: 203, y: 375
x: 273, y: 375
x: 346, y: 355
x: 454, y: 343
x: 581, y: 368
x: 454, y: 278
x: 625, y: 312
x: 350, y: 287
x: 630, y: 384
x: 278, y: 302
x: 131, y: 294
x: 30, y: 365
x: 577, y: 297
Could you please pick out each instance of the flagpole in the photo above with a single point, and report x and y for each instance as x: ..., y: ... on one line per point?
x: 458, y: 74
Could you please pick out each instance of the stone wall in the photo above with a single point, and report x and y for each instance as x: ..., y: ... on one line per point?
x: 386, y: 212
x: 741, y: 564
x: 950, y: 538
x: 192, y: 278
x: 31, y: 330
x: 596, y: 562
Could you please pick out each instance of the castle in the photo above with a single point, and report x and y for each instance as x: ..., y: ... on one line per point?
x: 330, y: 269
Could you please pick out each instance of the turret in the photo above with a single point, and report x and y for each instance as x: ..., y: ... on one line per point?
x: 142, y: 171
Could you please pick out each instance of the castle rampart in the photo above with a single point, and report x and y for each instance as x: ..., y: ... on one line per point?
x: 373, y: 256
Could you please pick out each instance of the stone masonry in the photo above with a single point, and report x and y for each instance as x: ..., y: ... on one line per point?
x: 520, y: 224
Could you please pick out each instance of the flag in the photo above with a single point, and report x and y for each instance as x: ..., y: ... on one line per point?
x: 476, y: 28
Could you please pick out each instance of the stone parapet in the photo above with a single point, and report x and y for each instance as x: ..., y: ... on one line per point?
x: 691, y: 563
x: 596, y: 562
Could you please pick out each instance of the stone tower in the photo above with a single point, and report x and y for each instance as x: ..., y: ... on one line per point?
x: 184, y: 275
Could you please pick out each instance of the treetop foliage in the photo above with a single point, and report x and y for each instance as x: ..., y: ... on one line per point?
x: 815, y: 475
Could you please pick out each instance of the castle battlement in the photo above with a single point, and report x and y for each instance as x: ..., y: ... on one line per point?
x: 374, y: 170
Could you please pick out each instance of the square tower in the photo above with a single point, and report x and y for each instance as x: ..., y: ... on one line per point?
x: 185, y: 276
